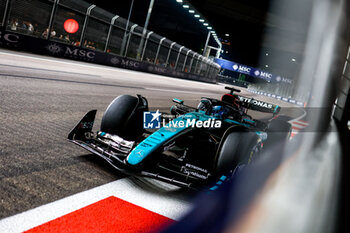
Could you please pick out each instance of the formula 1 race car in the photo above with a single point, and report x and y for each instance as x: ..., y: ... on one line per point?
x: 191, y: 147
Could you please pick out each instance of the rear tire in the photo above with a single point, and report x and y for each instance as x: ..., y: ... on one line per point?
x: 123, y: 117
x: 278, y: 131
x: 236, y: 149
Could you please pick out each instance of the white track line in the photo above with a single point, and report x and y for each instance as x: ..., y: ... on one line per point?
x: 76, y: 63
x: 300, y: 124
x: 125, y: 189
x: 301, y: 117
x: 176, y: 91
x: 298, y: 127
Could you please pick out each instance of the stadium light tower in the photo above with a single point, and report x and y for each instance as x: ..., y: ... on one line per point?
x: 202, y: 20
x: 126, y: 29
x: 145, y: 28
x: 206, y: 45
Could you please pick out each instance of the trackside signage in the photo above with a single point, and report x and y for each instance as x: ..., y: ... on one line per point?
x: 254, y: 72
x: 293, y: 101
x: 70, y: 52
x: 13, y: 40
x: 8, y: 39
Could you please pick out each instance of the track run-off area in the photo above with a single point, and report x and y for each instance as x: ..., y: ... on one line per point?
x: 43, y: 177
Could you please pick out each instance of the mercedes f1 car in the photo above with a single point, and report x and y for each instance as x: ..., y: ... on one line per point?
x: 185, y: 150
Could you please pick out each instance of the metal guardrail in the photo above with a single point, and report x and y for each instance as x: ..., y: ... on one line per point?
x: 101, y: 31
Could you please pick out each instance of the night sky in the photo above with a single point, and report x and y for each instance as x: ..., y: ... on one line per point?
x: 245, y: 20
x: 168, y: 19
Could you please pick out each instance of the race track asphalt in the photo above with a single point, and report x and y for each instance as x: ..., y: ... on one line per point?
x: 42, y: 98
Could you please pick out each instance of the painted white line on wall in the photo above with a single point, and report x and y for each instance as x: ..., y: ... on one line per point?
x: 171, y: 206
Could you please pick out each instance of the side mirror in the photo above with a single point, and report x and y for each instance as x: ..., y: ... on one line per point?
x: 178, y: 101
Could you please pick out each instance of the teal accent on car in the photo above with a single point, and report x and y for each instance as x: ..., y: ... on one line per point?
x: 248, y: 120
x: 220, y: 182
x: 262, y: 135
x: 158, y: 138
x: 178, y: 101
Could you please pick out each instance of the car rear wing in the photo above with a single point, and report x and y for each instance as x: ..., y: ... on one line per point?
x: 258, y: 105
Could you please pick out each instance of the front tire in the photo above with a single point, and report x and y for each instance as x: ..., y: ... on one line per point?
x: 124, y: 117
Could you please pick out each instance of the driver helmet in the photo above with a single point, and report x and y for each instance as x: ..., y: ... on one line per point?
x: 218, y: 112
x: 204, y: 105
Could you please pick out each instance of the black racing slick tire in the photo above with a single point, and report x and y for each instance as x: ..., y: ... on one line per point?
x: 124, y: 117
x: 236, y: 148
x: 278, y: 131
